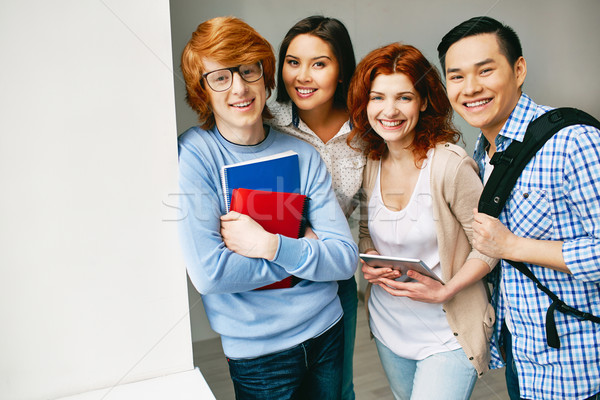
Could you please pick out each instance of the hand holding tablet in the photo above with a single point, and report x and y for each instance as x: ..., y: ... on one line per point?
x: 401, y: 264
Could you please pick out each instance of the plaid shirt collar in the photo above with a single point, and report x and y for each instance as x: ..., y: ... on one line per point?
x: 524, y: 112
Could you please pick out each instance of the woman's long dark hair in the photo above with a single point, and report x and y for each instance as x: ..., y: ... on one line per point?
x: 335, y: 34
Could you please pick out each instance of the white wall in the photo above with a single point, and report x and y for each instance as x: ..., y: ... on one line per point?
x: 93, y: 291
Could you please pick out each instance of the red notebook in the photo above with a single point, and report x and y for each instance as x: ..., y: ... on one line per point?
x: 277, y: 212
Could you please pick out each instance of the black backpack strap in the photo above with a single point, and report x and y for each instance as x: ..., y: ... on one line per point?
x: 508, y: 166
x: 557, y: 305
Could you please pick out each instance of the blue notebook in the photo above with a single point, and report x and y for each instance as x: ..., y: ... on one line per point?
x: 275, y: 173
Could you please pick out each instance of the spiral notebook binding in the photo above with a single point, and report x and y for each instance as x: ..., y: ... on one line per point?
x: 304, y: 219
x: 225, y: 187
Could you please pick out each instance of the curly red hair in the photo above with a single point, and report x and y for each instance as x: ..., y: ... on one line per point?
x: 435, y: 123
x: 229, y: 41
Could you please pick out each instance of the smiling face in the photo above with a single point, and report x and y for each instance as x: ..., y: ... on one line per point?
x: 394, y: 107
x: 482, y: 86
x: 310, y: 72
x: 238, y: 110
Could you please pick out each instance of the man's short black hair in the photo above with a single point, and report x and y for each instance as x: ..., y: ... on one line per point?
x: 508, y: 41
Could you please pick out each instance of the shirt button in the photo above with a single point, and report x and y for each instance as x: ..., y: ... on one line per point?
x: 525, y: 195
x: 455, y: 334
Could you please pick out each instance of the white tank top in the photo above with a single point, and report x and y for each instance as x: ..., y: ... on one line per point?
x: 487, y: 169
x: 410, y: 329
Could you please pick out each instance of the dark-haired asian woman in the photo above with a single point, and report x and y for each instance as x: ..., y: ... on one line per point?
x: 315, y: 65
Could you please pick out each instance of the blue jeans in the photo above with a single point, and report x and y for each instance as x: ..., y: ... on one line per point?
x: 310, y: 370
x: 447, y: 375
x: 349, y: 298
x: 512, y: 377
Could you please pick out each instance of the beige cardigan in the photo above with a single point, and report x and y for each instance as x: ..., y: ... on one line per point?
x: 455, y: 188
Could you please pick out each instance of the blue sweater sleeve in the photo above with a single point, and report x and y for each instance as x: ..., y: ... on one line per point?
x: 335, y: 255
x: 212, y: 267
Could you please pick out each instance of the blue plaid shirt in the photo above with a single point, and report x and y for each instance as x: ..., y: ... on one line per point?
x: 557, y: 197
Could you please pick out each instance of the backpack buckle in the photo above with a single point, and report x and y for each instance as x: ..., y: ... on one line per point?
x: 500, y: 157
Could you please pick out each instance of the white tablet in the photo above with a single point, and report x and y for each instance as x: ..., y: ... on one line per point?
x: 400, y: 263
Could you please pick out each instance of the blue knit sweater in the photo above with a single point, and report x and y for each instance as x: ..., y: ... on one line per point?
x: 254, y: 323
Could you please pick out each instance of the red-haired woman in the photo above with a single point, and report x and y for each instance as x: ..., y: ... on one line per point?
x: 420, y: 190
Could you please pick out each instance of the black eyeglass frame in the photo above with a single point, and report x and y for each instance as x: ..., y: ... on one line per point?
x: 232, y: 70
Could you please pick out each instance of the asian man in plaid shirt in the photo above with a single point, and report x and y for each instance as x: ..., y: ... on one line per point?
x: 551, y: 220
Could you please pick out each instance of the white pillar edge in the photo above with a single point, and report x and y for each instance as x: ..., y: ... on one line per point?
x: 188, y: 385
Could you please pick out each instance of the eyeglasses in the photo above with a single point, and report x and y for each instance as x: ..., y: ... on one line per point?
x: 220, y: 80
